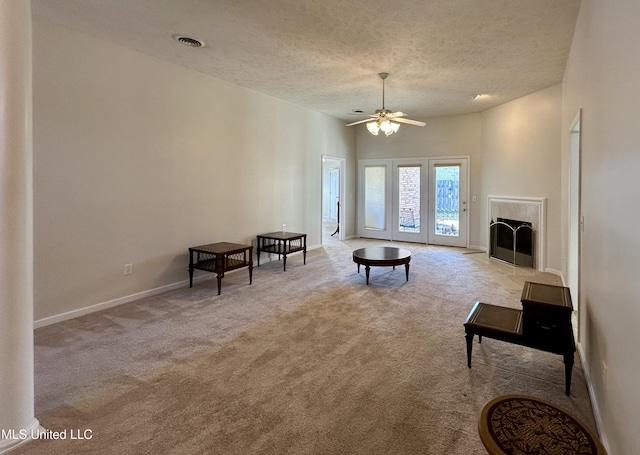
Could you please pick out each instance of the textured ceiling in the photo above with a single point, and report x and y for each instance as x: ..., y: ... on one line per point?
x: 325, y: 55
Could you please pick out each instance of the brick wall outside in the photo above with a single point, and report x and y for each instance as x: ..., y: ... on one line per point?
x: 409, y: 196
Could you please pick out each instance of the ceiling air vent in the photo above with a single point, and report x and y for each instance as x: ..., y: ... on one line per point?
x: 188, y: 41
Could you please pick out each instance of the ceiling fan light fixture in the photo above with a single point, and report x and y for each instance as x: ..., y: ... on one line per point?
x: 382, y: 119
x: 387, y: 127
x: 391, y: 128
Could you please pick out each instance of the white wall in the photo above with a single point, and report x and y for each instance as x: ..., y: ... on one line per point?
x: 602, y: 78
x: 136, y: 159
x: 521, y: 157
x: 514, y: 150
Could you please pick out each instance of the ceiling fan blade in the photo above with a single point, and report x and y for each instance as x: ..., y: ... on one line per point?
x: 409, y: 121
x: 396, y: 114
x: 359, y: 121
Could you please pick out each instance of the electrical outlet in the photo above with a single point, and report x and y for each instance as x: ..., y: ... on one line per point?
x: 128, y: 269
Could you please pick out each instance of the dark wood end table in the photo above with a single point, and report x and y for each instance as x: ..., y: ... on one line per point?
x: 282, y: 244
x: 546, y: 318
x: 507, y: 324
x: 219, y: 258
x: 382, y: 256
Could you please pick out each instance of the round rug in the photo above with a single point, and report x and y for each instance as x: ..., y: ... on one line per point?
x: 519, y: 425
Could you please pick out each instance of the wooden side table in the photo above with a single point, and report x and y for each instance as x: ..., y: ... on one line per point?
x: 546, y: 318
x: 282, y: 244
x: 506, y: 324
x: 220, y: 258
x: 520, y: 424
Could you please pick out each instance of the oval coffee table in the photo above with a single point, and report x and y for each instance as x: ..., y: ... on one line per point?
x: 381, y: 256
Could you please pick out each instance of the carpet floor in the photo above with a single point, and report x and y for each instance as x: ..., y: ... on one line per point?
x: 307, y: 361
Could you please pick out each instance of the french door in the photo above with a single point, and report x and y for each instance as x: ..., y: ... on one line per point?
x: 448, y: 202
x: 374, y: 205
x: 413, y: 200
x: 392, y: 199
x: 409, y: 185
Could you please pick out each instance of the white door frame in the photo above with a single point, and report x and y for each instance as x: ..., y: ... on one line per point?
x: 575, y: 222
x: 391, y: 230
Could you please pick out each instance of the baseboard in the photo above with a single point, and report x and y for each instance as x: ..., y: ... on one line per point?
x: 139, y: 295
x: 22, y: 436
x: 564, y: 281
x: 554, y: 271
x: 592, y: 396
x: 116, y: 302
x: 477, y: 247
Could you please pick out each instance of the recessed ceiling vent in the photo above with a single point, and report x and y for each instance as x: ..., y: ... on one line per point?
x: 188, y: 40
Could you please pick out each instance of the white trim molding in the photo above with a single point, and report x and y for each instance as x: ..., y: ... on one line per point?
x: 19, y: 437
x: 39, y: 323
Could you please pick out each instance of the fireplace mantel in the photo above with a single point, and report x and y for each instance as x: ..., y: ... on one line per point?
x: 531, y: 209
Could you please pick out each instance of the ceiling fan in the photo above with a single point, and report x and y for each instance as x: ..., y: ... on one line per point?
x: 385, y: 120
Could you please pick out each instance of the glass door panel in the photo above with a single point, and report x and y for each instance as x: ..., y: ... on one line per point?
x: 408, y: 215
x: 447, y: 199
x: 375, y: 197
x: 374, y: 211
x: 409, y: 222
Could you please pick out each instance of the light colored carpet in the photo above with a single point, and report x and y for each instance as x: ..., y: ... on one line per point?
x: 307, y: 361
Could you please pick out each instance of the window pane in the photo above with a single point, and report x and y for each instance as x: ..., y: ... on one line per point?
x: 374, y: 197
x: 409, y: 199
x: 447, y: 200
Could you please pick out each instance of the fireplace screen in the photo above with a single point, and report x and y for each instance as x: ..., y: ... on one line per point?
x: 512, y: 241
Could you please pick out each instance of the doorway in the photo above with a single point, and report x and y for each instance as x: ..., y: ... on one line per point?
x: 333, y: 187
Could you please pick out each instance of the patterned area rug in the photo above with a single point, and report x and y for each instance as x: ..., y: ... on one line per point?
x: 524, y: 425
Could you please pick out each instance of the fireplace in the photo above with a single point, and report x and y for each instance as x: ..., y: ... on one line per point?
x: 512, y: 241
x: 531, y: 211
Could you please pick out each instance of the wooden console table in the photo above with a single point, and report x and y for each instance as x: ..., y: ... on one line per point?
x: 544, y: 323
x: 220, y: 258
x: 282, y: 244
